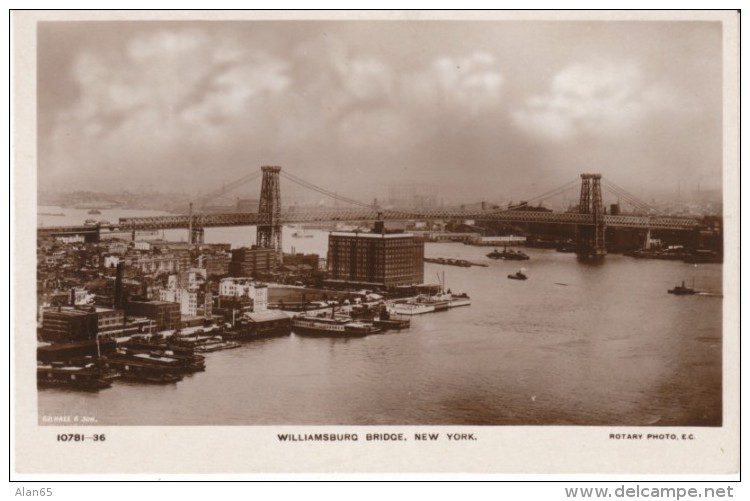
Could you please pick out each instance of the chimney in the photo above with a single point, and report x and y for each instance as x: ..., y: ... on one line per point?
x: 119, y: 293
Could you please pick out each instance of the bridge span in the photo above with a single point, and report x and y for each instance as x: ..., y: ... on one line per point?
x: 590, y: 219
x: 301, y: 216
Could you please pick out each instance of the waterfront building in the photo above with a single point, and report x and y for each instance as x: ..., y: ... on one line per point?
x: 61, y: 325
x: 109, y: 321
x: 260, y: 298
x: 238, y: 287
x: 375, y: 259
x: 164, y: 314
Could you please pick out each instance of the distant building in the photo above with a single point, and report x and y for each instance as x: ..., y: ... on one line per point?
x: 217, y: 264
x: 375, y: 259
x: 187, y: 299
x: 117, y: 247
x: 167, y: 264
x: 142, y: 245
x: 250, y: 261
x: 311, y: 260
x: 111, y: 261
x: 73, y: 239
x: 79, y: 296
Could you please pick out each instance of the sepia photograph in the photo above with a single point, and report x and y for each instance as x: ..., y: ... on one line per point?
x: 340, y: 230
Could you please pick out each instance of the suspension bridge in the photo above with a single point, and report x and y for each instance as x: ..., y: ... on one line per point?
x: 590, y: 217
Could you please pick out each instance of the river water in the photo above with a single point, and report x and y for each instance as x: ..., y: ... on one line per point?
x: 577, y: 343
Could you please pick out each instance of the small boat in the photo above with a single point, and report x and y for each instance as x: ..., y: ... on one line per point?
x: 94, y: 211
x: 681, y: 290
x: 519, y: 275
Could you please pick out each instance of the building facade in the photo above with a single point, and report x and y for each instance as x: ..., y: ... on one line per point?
x: 165, y: 315
x: 249, y: 261
x: 61, y: 325
x: 375, y: 259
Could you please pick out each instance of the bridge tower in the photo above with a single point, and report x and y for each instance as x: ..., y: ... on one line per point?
x: 195, y: 228
x: 269, y: 210
x: 590, y: 240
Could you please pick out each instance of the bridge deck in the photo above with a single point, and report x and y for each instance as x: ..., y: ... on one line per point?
x: 352, y: 215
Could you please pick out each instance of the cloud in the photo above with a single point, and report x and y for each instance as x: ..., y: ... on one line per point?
x: 593, y: 99
x: 466, y: 86
x: 183, y: 99
x: 140, y: 104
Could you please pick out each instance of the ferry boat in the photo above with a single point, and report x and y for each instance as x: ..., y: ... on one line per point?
x: 336, y: 326
x: 411, y: 308
x: 85, y: 378
x: 508, y: 255
x: 427, y: 304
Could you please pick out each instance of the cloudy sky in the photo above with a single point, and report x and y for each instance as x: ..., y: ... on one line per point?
x: 495, y: 109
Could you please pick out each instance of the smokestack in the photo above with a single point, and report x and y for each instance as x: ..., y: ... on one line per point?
x: 119, y: 293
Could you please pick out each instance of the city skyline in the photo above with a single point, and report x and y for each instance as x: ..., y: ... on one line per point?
x: 514, y: 107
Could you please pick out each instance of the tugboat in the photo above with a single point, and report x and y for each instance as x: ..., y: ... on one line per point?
x: 681, y: 290
x: 519, y: 275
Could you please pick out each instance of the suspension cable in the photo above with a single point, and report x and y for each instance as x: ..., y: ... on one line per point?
x: 628, y: 197
x: 323, y: 191
x: 229, y: 187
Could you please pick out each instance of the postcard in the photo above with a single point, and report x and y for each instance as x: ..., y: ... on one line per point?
x: 496, y: 242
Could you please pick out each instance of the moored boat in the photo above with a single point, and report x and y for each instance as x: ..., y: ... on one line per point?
x: 144, y: 372
x: 429, y: 303
x: 60, y: 375
x: 333, y: 326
